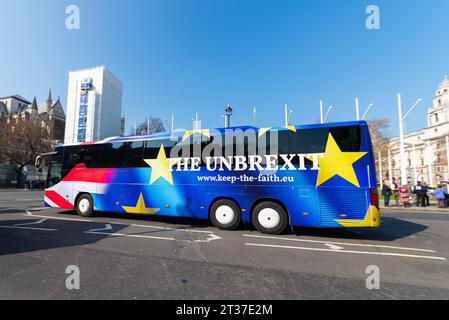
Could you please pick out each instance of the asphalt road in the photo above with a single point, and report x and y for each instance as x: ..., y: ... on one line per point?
x: 134, y: 257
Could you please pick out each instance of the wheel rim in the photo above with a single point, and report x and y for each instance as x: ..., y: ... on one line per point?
x: 224, y: 215
x: 269, y: 218
x: 84, y: 205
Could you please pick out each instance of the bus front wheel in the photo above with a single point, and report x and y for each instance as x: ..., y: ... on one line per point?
x: 85, y: 206
x: 225, y: 214
x: 269, y: 217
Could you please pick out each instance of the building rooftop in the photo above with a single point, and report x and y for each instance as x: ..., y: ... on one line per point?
x: 17, y: 97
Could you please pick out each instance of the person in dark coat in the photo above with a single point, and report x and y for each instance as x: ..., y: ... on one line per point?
x: 386, y: 192
x: 426, y: 186
x: 421, y: 192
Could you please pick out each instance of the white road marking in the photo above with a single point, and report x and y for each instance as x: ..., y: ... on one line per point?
x: 20, y: 200
x: 108, y: 226
x: 165, y: 228
x: 211, y: 235
x: 334, y: 247
x: 129, y: 235
x: 36, y: 209
x: 346, y: 251
x: 57, y: 218
x: 114, y: 234
x: 30, y: 223
x: 338, y: 243
x: 27, y: 228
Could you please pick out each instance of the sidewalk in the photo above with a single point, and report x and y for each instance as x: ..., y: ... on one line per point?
x: 431, y: 208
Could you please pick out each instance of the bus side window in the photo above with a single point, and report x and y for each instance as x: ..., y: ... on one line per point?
x: 89, y: 156
x: 152, y: 147
x: 347, y: 138
x: 80, y: 154
x: 121, y: 155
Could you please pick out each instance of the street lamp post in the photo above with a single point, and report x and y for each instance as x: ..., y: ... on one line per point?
x: 390, y: 170
x: 429, y: 163
x: 357, y: 110
x: 401, y: 136
x: 367, y: 110
x: 321, y: 112
x: 327, y: 114
x: 415, y: 177
x: 380, y: 168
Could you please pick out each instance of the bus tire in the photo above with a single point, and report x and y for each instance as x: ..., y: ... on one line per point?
x: 85, y: 206
x: 225, y: 214
x: 269, y: 217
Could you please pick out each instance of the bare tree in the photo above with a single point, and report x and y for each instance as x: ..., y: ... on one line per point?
x: 156, y: 125
x: 3, y: 138
x: 22, y: 141
x: 378, y: 129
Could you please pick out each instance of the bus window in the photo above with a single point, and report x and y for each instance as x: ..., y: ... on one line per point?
x: 152, y: 148
x: 74, y: 155
x: 121, y: 155
x: 55, y: 168
x: 347, y: 138
x: 309, y: 141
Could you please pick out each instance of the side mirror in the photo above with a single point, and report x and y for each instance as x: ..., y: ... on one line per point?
x: 38, y: 163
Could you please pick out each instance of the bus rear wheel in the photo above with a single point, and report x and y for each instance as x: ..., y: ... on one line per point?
x: 85, y: 206
x: 269, y: 217
x: 225, y: 214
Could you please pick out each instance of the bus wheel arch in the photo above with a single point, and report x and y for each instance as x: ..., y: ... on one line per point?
x: 225, y: 213
x: 84, y: 204
x: 269, y: 216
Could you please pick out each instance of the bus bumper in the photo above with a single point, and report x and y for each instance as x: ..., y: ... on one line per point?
x: 372, y: 220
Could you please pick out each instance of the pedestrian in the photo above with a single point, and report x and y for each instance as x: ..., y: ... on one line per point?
x: 445, y: 186
x: 395, y: 189
x: 404, y: 195
x: 386, y: 192
x: 426, y: 194
x: 440, y: 194
x: 420, y: 193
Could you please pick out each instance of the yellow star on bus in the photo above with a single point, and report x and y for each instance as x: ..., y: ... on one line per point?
x: 291, y: 128
x: 140, y: 207
x: 188, y: 133
x: 262, y: 131
x: 335, y: 162
x: 161, y: 167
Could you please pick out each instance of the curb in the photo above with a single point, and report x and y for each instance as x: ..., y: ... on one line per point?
x: 407, y: 210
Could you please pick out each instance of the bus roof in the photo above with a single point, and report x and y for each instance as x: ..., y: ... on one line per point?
x: 182, y: 132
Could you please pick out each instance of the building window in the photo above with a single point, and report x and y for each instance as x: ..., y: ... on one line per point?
x: 436, y: 115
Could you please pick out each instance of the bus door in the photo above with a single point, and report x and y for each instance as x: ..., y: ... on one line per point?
x: 307, y: 211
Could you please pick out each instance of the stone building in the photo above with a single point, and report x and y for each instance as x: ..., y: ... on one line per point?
x: 426, y: 150
x: 50, y: 114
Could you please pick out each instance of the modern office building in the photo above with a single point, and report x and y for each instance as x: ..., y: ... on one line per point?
x: 94, y: 105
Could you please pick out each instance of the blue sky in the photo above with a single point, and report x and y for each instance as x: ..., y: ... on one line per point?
x: 182, y: 56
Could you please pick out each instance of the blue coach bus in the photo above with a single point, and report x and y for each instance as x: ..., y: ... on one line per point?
x: 308, y: 175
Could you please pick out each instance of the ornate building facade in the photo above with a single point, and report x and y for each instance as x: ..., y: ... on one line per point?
x: 50, y: 114
x: 426, y: 150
